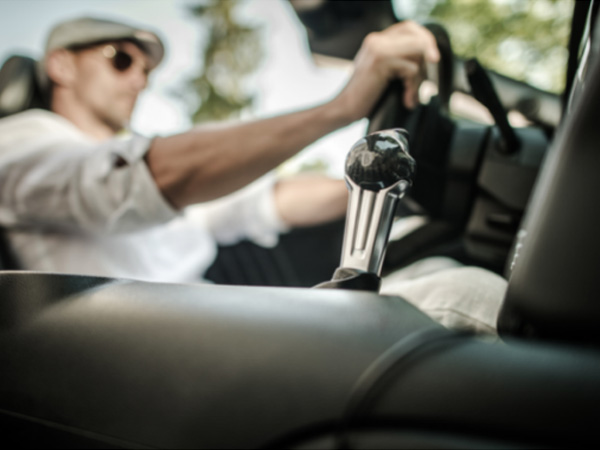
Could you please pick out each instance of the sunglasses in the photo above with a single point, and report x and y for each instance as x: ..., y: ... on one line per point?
x: 120, y: 60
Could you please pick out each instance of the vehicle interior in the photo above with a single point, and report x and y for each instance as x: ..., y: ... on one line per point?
x: 114, y: 363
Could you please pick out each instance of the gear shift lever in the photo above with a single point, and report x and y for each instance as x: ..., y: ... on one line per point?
x: 378, y: 172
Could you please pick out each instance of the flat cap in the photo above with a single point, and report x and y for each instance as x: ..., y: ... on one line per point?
x: 90, y: 30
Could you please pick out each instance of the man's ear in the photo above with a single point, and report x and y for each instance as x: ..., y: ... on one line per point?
x: 60, y: 66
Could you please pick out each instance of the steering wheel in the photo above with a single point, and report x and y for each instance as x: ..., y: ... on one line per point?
x: 430, y: 129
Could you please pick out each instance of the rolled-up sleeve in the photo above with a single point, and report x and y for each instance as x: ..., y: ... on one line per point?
x: 93, y: 188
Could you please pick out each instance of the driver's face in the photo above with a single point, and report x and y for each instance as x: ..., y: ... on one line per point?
x: 108, y: 80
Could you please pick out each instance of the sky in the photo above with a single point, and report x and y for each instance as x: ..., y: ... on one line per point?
x: 287, y: 79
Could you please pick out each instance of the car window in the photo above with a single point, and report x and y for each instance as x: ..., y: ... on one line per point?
x: 522, y: 39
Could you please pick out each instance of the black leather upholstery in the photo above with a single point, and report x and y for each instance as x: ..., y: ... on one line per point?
x: 99, y: 362
x: 554, y: 289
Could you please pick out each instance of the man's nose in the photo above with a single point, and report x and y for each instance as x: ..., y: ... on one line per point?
x: 138, y: 77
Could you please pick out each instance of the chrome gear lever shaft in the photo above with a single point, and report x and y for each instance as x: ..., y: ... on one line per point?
x: 379, y: 170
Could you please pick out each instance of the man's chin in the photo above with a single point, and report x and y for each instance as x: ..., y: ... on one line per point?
x: 118, y: 124
x: 121, y: 118
x: 123, y: 128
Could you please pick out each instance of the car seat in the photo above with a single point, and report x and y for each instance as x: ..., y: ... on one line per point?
x: 19, y: 91
x: 19, y: 88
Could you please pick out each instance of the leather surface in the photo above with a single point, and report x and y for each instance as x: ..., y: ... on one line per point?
x: 553, y: 291
x: 213, y: 366
x: 177, y: 365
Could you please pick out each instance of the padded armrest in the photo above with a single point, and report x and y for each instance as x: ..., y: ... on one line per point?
x: 125, y: 363
x: 183, y: 365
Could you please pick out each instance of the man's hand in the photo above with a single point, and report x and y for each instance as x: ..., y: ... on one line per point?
x: 398, y: 52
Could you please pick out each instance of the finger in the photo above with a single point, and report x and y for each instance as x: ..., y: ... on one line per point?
x: 427, y: 43
x: 410, y: 47
x: 432, y: 52
x: 411, y: 94
x: 412, y: 76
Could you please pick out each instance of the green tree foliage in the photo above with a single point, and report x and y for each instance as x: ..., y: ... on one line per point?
x: 232, y: 52
x: 523, y: 39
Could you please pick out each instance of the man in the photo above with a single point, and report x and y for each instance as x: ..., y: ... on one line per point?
x: 79, y: 198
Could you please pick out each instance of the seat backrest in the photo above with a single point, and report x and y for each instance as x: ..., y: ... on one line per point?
x: 19, y: 89
x: 554, y: 286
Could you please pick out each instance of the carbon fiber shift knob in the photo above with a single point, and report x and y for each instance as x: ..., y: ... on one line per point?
x: 379, y: 170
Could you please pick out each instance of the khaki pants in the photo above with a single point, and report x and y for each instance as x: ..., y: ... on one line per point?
x: 454, y: 295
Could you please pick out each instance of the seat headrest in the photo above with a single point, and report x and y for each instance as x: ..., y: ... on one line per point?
x: 19, y: 89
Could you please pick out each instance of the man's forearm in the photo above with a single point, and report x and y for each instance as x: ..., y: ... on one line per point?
x: 308, y: 200
x: 202, y: 165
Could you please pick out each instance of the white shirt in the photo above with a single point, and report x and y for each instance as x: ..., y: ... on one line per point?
x: 68, y: 208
